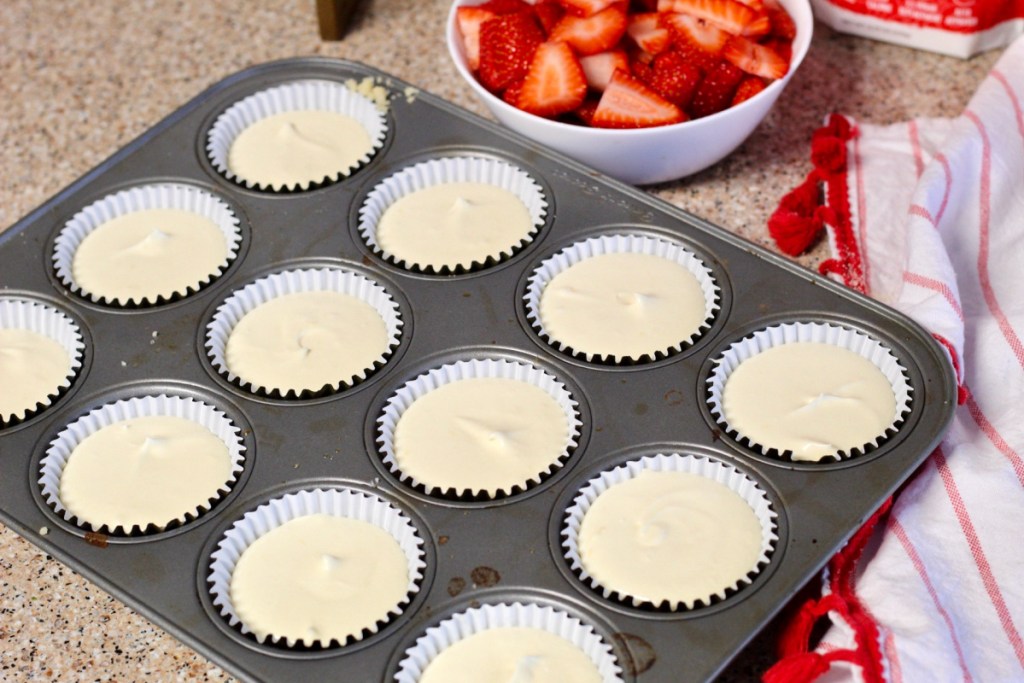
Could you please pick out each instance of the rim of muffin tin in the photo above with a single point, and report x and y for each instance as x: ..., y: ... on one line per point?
x: 228, y: 101
x: 439, y: 160
x: 78, y: 225
x: 902, y: 424
x: 396, y: 348
x: 610, y: 599
x: 137, y: 390
x: 81, y: 357
x: 579, y: 433
x: 719, y: 309
x: 409, y: 606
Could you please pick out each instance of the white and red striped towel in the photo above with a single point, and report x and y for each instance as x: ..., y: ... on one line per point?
x: 928, y: 217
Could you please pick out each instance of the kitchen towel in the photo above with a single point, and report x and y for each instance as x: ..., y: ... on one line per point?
x: 928, y: 217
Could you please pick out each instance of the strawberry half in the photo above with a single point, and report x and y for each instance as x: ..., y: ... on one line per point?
x: 628, y: 103
x: 782, y: 25
x: 586, y: 8
x: 599, y: 68
x: 731, y: 15
x: 755, y: 59
x: 674, y: 78
x: 507, y: 44
x: 469, y: 20
x: 716, y: 90
x: 596, y: 33
x: 554, y: 83
x: 506, y: 6
x: 698, y: 40
x: 647, y: 32
x: 549, y: 13
x: 749, y: 86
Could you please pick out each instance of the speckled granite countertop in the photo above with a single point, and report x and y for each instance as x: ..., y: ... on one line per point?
x: 80, y: 80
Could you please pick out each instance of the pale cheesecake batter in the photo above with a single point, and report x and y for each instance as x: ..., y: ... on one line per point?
x: 144, y: 470
x: 32, y: 367
x: 306, y: 340
x: 454, y: 224
x: 669, y: 536
x: 480, y: 434
x: 623, y: 305
x: 812, y: 399
x: 148, y: 254
x: 511, y: 655
x: 298, y: 148
x: 318, y: 578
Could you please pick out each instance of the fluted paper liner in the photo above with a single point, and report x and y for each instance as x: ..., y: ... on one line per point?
x: 823, y: 333
x: 508, y: 615
x: 24, y: 314
x: 339, y: 280
x: 444, y: 170
x: 715, y: 470
x: 316, y: 95
x: 618, y: 244
x: 337, y: 502
x: 62, y: 446
x: 477, y: 368
x: 144, y: 198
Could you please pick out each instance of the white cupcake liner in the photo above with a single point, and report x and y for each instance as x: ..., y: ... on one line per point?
x: 715, y: 470
x: 339, y: 280
x: 144, y: 198
x: 51, y: 467
x: 508, y: 615
x: 823, y: 333
x: 630, y: 243
x: 318, y: 95
x: 23, y: 314
x: 348, y: 503
x: 476, y: 368
x: 452, y: 170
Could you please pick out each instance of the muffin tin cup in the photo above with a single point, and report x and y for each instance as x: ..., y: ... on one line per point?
x: 715, y: 470
x: 478, y: 368
x: 622, y: 243
x: 61, y: 449
x: 865, y: 346
x: 24, y: 314
x: 337, y: 502
x: 444, y: 170
x: 304, y: 95
x: 143, y: 198
x: 269, y: 287
x: 476, y: 620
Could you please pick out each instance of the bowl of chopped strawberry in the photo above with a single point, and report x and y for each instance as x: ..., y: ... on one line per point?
x: 644, y: 91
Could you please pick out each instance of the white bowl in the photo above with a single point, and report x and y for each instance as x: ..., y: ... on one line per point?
x: 646, y: 155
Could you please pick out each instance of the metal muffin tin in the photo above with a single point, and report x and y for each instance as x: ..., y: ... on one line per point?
x: 476, y: 551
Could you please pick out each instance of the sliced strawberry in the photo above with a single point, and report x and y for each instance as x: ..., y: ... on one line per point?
x: 599, y: 68
x: 716, y: 90
x: 549, y: 13
x: 585, y: 112
x: 754, y: 58
x: 641, y: 66
x: 756, y: 5
x: 585, y: 8
x: 593, y: 34
x: 782, y: 25
x: 648, y: 33
x: 674, y: 78
x: 506, y: 6
x: 507, y: 44
x: 731, y: 15
x: 469, y: 20
x: 512, y: 92
x: 628, y: 103
x: 781, y: 47
x: 698, y: 40
x: 749, y: 86
x: 555, y: 83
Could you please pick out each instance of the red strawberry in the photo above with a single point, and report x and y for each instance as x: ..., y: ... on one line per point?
x: 628, y: 103
x: 641, y: 66
x: 716, y: 90
x: 507, y: 44
x: 585, y: 8
x: 782, y: 24
x: 599, y: 68
x: 593, y: 34
x: 754, y: 58
x: 505, y: 6
x: 585, y: 112
x: 756, y: 5
x: 555, y: 83
x: 469, y: 20
x: 749, y: 86
x: 641, y: 6
x: 549, y: 13
x: 699, y: 41
x: 781, y: 47
x: 731, y: 15
x: 512, y: 92
x: 674, y: 78
x: 648, y: 33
